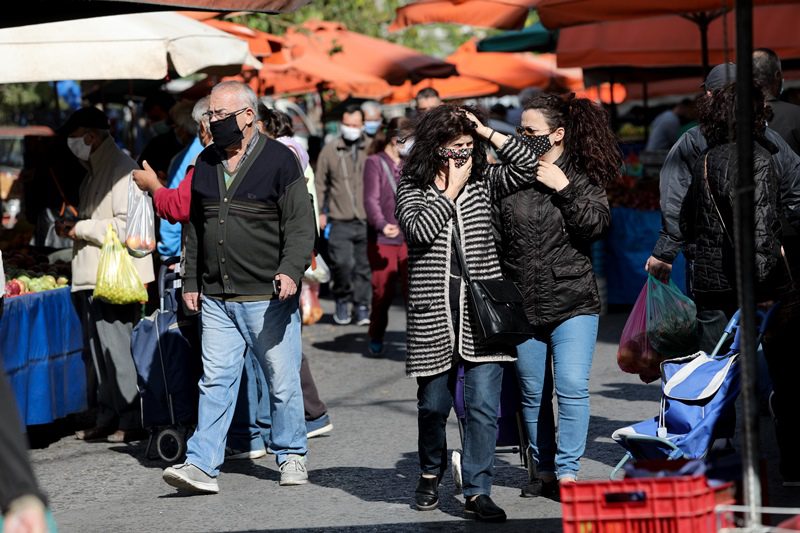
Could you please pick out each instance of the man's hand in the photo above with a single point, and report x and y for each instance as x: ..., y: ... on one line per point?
x: 192, y: 301
x: 323, y: 221
x: 658, y: 269
x: 549, y: 175
x: 391, y: 230
x: 288, y: 287
x: 147, y: 179
x: 71, y: 233
x: 457, y: 178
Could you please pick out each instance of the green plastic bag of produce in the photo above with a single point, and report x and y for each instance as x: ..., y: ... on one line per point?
x: 661, y: 326
x: 117, y: 279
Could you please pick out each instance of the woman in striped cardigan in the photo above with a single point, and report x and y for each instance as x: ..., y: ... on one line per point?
x: 446, y: 193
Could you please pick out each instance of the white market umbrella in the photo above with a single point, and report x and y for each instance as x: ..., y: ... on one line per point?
x: 135, y: 46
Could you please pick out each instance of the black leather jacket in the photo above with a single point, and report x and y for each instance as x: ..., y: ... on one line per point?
x: 707, y: 225
x: 545, y: 241
x: 676, y: 178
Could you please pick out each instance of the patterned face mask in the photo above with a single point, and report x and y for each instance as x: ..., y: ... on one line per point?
x: 460, y: 156
x: 539, y: 144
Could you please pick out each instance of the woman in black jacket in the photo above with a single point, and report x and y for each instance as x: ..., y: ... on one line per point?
x: 546, y: 233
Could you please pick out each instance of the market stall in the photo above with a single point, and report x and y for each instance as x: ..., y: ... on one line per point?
x: 41, y: 345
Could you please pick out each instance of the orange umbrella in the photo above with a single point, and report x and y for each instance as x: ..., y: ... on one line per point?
x: 503, y: 14
x: 514, y: 71
x: 452, y: 88
x: 288, y: 69
x: 674, y: 41
x: 391, y: 62
x: 556, y: 14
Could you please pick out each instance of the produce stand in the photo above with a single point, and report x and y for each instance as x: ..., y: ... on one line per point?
x: 41, y: 343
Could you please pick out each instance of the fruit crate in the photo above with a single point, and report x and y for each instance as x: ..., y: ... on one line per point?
x: 680, y: 504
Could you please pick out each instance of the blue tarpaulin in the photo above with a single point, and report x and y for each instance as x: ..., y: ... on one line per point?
x: 41, y: 342
x: 629, y: 242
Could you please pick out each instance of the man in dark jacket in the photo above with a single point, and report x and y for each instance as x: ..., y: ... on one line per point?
x: 768, y: 75
x: 676, y: 179
x: 249, y: 240
x: 340, y: 190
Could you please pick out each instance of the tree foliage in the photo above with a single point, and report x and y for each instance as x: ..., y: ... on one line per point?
x: 370, y: 17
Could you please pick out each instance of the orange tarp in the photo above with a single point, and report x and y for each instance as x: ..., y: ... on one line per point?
x: 451, y: 88
x: 556, y: 14
x: 514, y: 71
x: 360, y: 53
x: 674, y: 40
x: 503, y: 14
x: 293, y: 69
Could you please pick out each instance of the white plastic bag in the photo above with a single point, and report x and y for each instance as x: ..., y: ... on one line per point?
x: 141, y: 232
x: 318, y: 272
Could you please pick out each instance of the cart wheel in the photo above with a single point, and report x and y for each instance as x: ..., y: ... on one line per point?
x: 455, y: 461
x: 170, y: 445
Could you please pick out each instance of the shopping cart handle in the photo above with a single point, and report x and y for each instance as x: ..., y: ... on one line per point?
x: 763, y: 317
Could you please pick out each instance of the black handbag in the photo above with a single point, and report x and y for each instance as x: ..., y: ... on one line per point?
x: 497, y: 307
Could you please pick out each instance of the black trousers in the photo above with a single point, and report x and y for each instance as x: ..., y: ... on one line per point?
x: 350, y: 270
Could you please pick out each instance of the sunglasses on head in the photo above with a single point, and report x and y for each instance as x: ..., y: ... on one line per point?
x: 529, y: 131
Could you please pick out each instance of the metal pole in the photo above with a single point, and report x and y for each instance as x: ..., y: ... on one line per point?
x: 703, y: 22
x: 744, y: 223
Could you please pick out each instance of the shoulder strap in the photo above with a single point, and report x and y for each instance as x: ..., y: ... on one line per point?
x: 714, y: 202
x: 389, y: 174
x: 461, y: 258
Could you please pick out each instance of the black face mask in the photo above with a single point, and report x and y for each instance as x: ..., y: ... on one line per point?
x: 226, y: 132
x: 539, y: 144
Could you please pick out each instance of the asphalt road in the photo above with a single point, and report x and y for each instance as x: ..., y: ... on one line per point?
x: 362, y: 474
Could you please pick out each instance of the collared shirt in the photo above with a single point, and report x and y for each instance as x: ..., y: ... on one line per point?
x: 230, y: 174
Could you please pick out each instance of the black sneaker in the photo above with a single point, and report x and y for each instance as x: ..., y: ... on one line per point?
x: 362, y: 315
x: 342, y: 314
x: 546, y: 489
x: 484, y: 509
x: 426, y: 496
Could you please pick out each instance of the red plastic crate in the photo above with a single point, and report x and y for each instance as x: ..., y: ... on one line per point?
x: 682, y: 504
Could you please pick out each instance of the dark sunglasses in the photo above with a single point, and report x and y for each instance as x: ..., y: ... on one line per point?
x: 529, y: 132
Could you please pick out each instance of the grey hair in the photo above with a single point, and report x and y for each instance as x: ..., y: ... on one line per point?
x: 182, y: 115
x: 371, y: 107
x: 199, y: 112
x: 246, y: 96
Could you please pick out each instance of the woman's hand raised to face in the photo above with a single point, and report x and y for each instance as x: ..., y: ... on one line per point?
x: 457, y: 178
x: 551, y: 176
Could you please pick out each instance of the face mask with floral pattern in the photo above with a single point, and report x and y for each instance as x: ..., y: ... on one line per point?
x: 459, y: 156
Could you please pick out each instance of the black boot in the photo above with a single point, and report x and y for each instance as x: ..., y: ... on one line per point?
x: 546, y: 489
x: 427, y: 494
x: 484, y: 509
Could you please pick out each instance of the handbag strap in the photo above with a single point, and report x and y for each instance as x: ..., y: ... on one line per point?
x: 389, y: 174
x: 714, y: 202
x: 461, y: 258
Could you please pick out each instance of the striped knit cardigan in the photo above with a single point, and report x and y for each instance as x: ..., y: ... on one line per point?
x: 427, y: 219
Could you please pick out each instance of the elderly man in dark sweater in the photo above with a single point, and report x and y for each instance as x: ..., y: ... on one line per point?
x: 249, y: 240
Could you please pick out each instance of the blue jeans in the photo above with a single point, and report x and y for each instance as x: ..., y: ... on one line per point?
x: 569, y: 346
x: 251, y: 423
x: 482, y: 382
x: 271, y: 330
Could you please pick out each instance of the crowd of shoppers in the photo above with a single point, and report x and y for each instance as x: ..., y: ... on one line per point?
x: 416, y: 207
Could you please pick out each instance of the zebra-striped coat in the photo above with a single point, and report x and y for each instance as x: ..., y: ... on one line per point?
x: 427, y: 219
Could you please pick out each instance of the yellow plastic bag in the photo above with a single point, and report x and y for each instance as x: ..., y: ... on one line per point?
x: 117, y: 280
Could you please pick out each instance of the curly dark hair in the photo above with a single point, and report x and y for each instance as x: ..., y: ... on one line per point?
x: 589, y: 142
x: 716, y: 113
x: 436, y: 128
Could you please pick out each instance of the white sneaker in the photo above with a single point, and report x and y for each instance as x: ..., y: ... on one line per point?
x: 190, y: 478
x: 293, y: 471
x: 236, y: 455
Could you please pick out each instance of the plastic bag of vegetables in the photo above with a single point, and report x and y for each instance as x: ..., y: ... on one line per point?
x: 661, y: 326
x: 117, y: 279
